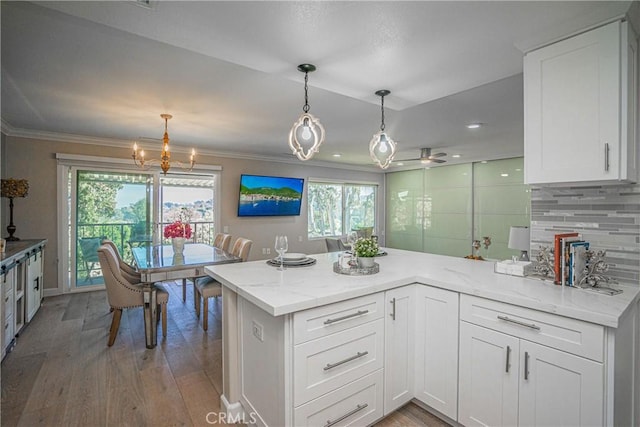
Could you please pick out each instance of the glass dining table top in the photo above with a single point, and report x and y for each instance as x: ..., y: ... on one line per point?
x: 162, y: 257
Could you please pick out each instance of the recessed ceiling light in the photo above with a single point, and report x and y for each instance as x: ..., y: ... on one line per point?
x: 484, y: 161
x: 504, y: 174
x: 474, y: 125
x: 400, y: 164
x: 337, y: 155
x: 455, y: 156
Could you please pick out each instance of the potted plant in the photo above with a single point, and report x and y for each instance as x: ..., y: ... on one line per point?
x: 365, y: 250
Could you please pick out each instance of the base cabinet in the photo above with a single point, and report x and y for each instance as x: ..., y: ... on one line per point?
x: 33, y: 284
x: 436, y: 349
x: 399, y: 342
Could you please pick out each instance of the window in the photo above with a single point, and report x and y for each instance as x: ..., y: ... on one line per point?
x: 334, y: 209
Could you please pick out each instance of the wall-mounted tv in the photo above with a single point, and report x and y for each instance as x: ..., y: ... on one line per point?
x: 269, y: 195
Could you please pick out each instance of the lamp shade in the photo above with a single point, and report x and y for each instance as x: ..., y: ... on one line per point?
x: 519, y: 238
x: 12, y: 188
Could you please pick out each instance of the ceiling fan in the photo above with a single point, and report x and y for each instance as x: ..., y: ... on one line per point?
x: 426, y: 157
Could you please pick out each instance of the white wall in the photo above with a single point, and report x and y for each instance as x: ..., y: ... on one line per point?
x: 36, y: 217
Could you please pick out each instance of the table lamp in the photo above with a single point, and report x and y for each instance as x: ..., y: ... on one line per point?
x: 13, y: 188
x: 519, y: 239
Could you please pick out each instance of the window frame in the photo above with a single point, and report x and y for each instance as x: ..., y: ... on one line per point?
x: 343, y: 209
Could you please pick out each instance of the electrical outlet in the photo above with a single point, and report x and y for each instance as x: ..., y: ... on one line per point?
x: 300, y: 239
x: 264, y: 251
x: 225, y: 229
x: 257, y: 329
x: 268, y: 251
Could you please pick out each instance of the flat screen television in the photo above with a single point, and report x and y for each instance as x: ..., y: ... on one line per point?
x: 269, y: 195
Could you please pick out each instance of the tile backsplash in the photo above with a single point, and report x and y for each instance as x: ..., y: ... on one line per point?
x: 606, y: 216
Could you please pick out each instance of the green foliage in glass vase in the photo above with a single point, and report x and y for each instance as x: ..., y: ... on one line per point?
x: 365, y: 248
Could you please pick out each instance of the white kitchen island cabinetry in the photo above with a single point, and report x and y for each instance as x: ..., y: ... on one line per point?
x: 308, y: 346
x: 580, y: 100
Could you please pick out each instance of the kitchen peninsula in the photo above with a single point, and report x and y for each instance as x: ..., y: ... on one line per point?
x: 308, y: 346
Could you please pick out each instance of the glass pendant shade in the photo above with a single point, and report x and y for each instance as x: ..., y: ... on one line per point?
x: 382, y: 149
x: 307, y: 134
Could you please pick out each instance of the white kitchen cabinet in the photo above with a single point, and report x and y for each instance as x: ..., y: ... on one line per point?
x: 580, y: 106
x: 436, y: 349
x: 558, y: 388
x: 506, y: 379
x: 8, y: 307
x: 489, y: 367
x: 399, y: 340
x: 33, y: 288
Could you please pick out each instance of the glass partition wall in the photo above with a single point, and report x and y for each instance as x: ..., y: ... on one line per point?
x: 444, y: 209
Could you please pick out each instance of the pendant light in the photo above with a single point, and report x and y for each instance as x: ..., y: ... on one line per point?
x: 307, y: 134
x: 382, y: 149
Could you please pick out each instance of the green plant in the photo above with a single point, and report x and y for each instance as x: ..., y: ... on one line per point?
x: 365, y: 248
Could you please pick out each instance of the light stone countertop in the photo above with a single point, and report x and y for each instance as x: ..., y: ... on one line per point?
x: 301, y: 288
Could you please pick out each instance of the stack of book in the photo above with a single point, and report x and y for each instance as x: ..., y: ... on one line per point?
x: 570, y: 258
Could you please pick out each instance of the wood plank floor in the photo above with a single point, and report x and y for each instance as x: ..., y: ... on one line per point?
x: 61, y: 372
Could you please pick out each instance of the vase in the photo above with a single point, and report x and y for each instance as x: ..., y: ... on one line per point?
x: 178, y: 244
x: 366, y: 262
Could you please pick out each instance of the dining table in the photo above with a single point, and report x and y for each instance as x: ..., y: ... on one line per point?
x: 159, y: 263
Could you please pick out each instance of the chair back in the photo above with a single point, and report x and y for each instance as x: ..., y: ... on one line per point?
x: 222, y: 241
x: 241, y: 248
x: 335, y: 245
x: 129, y: 273
x: 120, y: 292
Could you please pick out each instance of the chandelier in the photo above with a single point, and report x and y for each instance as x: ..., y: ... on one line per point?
x: 165, y: 155
x: 382, y: 149
x: 307, y: 130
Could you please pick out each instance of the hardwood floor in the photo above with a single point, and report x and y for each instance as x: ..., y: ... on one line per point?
x: 61, y: 372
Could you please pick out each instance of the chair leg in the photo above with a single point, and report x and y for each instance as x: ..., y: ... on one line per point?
x: 164, y: 320
x: 205, y: 313
x: 115, y: 325
x: 196, y: 301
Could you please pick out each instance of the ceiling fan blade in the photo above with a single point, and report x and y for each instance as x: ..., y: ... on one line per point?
x: 438, y: 161
x: 438, y: 155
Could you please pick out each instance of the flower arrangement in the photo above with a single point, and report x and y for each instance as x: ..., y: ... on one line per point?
x: 365, y: 248
x: 177, y: 229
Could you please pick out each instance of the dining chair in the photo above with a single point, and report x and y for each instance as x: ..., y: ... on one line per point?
x: 129, y: 272
x: 121, y: 293
x: 207, y: 287
x: 222, y: 241
x: 335, y: 245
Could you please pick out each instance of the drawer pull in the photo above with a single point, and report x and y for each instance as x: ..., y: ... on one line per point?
x: 348, y: 359
x: 348, y: 316
x: 517, y: 322
x: 508, y: 357
x: 393, y: 309
x: 6, y: 326
x: 6, y: 299
x: 606, y: 157
x: 347, y: 415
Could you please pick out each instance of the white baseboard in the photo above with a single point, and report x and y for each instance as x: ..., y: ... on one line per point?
x: 52, y: 292
x: 233, y: 410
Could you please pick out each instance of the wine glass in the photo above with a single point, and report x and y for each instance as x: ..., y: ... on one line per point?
x: 281, y: 246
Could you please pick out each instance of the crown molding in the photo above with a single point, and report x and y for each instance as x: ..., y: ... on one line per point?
x: 9, y: 130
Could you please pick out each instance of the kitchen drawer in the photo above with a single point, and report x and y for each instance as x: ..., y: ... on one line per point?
x: 328, y: 319
x: 325, y: 364
x: 7, y: 304
x: 570, y: 335
x: 357, y: 404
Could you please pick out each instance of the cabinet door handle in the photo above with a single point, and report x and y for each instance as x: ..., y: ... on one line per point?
x: 6, y: 326
x: 348, y: 316
x: 393, y: 309
x: 6, y: 299
x: 508, y: 357
x: 517, y: 322
x: 37, y: 286
x: 347, y: 415
x: 606, y: 156
x: 358, y: 355
x: 526, y: 365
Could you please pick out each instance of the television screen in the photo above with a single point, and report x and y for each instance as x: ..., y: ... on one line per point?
x: 269, y: 196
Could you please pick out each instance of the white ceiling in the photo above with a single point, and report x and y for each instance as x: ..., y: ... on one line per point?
x: 227, y: 72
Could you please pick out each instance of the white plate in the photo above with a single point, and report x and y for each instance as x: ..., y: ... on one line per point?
x: 293, y: 256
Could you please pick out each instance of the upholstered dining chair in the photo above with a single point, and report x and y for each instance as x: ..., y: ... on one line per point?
x: 335, y: 245
x: 222, y: 241
x: 121, y: 293
x: 131, y: 274
x: 207, y: 287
